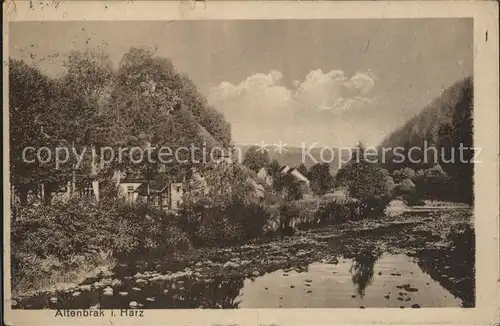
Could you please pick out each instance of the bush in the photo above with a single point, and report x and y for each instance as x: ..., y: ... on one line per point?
x: 413, y: 200
x: 251, y: 217
x: 63, y: 229
x: 288, y: 212
x: 218, y: 231
x: 333, y: 212
x: 406, y: 187
x: 408, y: 192
x: 56, y: 237
x: 208, y: 224
x: 403, y: 174
x: 148, y: 230
x: 373, y: 206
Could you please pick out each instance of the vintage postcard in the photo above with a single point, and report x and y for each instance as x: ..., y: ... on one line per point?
x: 251, y: 163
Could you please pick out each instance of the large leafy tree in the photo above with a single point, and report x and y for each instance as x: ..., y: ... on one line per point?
x: 81, y: 99
x: 211, y: 119
x: 364, y: 178
x: 148, y: 109
x: 320, y: 178
x: 144, y: 103
x: 30, y: 97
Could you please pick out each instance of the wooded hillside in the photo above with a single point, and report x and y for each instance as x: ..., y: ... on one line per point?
x: 445, y: 124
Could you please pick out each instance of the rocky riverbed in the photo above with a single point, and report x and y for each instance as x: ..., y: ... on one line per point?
x: 393, y: 261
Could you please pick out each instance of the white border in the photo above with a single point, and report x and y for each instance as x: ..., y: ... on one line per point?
x: 486, y: 119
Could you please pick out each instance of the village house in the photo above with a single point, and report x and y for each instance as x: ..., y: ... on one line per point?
x: 161, y: 189
x: 164, y: 191
x: 285, y: 169
x: 295, y: 173
x: 85, y: 185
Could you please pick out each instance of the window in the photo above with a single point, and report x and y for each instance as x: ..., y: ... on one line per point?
x: 130, y: 193
x: 86, y: 189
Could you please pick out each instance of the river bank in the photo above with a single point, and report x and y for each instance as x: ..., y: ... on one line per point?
x: 358, y: 243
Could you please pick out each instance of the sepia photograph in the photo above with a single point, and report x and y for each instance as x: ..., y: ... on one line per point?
x: 245, y: 163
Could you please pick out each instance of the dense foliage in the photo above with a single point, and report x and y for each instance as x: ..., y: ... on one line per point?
x: 70, y: 235
x: 366, y: 180
x: 320, y: 178
x: 256, y: 158
x: 224, y: 207
x: 446, y: 126
x: 145, y: 102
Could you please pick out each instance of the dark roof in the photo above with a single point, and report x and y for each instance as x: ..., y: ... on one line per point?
x: 155, y: 187
x: 282, y: 168
x: 133, y: 180
x: 140, y: 177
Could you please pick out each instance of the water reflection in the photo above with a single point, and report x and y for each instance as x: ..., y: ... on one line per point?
x: 394, y: 281
x: 362, y: 269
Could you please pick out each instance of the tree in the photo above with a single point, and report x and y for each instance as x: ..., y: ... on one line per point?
x: 365, y: 180
x: 389, y: 186
x: 292, y: 187
x: 144, y: 103
x: 30, y: 96
x: 406, y: 187
x: 149, y: 111
x: 213, y: 120
x: 447, y: 124
x: 462, y: 169
x: 320, y: 178
x: 273, y: 170
x: 81, y: 99
x: 402, y: 174
x: 256, y: 158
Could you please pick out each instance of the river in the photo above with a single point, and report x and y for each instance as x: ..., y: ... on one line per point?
x: 355, y: 266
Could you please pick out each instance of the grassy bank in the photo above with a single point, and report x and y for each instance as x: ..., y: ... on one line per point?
x: 63, y: 243
x: 51, y: 274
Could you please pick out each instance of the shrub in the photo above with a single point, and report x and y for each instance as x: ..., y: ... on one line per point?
x: 148, y: 230
x: 403, y: 174
x: 245, y: 219
x: 63, y: 229
x: 56, y: 237
x: 287, y: 213
x: 251, y: 217
x: 333, y: 212
x: 218, y: 231
x: 406, y: 187
x: 366, y: 181
x: 373, y: 207
x: 413, y: 200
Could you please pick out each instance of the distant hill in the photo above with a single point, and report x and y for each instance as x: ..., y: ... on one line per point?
x: 293, y: 156
x: 444, y: 124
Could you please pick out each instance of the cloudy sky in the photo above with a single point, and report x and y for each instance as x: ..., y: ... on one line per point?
x: 333, y: 82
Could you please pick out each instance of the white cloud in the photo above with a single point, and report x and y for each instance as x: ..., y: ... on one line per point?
x: 262, y: 104
x: 328, y: 91
x: 259, y: 93
x: 361, y: 83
